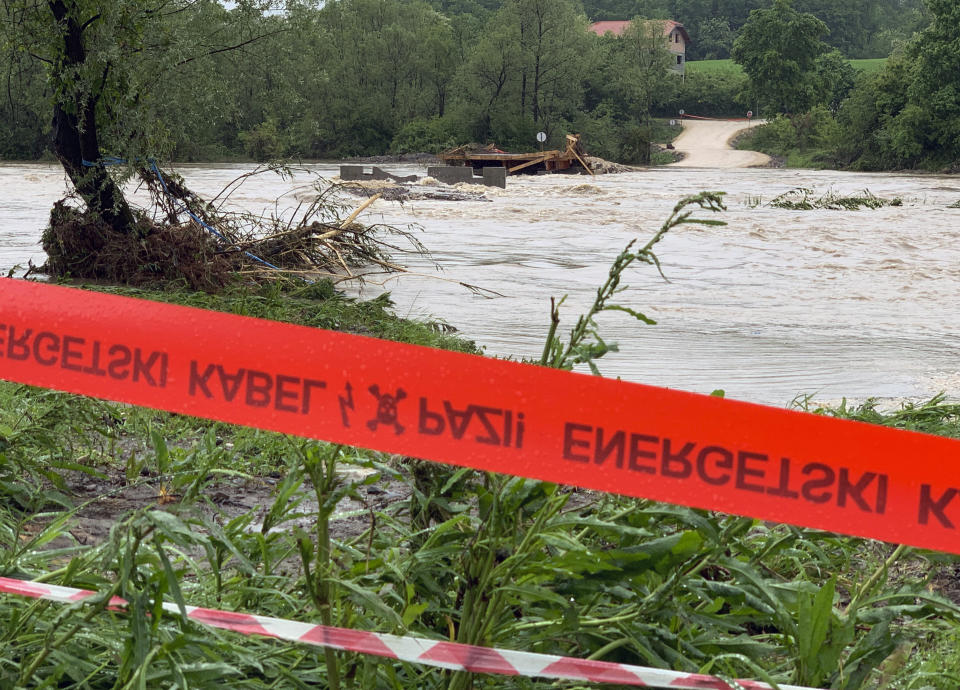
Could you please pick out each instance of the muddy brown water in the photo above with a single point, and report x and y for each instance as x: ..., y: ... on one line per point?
x: 773, y: 305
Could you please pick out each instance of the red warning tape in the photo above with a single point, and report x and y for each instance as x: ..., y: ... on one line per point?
x: 467, y: 410
x: 418, y: 650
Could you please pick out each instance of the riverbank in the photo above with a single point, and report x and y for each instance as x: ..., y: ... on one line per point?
x: 161, y: 506
x: 813, y: 142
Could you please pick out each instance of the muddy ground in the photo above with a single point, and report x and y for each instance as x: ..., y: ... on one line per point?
x: 103, y: 500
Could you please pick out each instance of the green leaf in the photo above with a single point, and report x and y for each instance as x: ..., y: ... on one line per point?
x: 160, y: 448
x: 173, y: 585
x: 412, y: 612
x: 635, y: 314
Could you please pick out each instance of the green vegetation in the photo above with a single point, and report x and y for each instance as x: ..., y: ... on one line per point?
x: 716, y: 88
x: 714, y: 67
x: 147, y: 505
x: 152, y: 506
x: 901, y: 114
x: 869, y: 66
x: 353, y: 77
x: 729, y: 67
x: 804, y: 141
x: 367, y: 77
x: 778, y: 50
x: 803, y: 199
x: 857, y: 29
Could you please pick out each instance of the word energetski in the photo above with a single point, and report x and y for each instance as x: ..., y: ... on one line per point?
x: 84, y: 355
x: 716, y: 465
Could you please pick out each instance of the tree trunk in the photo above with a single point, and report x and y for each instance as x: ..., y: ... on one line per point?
x: 75, y: 133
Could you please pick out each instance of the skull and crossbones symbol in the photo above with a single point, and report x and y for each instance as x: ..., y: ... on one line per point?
x: 386, y: 409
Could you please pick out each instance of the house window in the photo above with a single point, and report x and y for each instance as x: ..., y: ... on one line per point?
x: 679, y: 59
x: 676, y: 37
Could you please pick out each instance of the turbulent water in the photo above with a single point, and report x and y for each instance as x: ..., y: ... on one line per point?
x: 773, y: 305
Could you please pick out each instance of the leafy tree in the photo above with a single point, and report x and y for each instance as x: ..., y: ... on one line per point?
x: 896, y: 23
x: 834, y: 78
x: 477, y: 8
x: 553, y: 42
x: 653, y: 9
x: 908, y: 114
x: 105, y: 62
x: 933, y: 110
x: 632, y: 78
x: 24, y: 108
x: 778, y: 48
x: 610, y: 10
x: 370, y: 67
x: 527, y: 70
x: 867, y: 114
x: 737, y: 12
x: 714, y: 39
x: 489, y: 77
x: 717, y: 94
x: 851, y: 23
x: 643, y: 65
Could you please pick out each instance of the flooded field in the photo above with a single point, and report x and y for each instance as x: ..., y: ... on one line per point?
x: 773, y: 305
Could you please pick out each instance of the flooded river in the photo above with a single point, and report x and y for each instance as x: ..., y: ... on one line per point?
x: 773, y: 305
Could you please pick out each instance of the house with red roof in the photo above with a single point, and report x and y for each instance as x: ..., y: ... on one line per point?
x: 676, y: 36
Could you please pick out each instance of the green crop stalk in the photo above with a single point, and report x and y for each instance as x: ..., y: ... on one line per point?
x: 585, y: 344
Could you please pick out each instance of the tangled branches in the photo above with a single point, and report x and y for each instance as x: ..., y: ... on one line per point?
x: 182, y: 237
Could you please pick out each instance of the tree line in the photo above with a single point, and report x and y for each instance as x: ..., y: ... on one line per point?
x: 905, y: 115
x: 197, y: 80
x: 857, y: 28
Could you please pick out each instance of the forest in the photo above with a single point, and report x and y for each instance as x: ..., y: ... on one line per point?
x: 206, y: 81
x: 905, y: 115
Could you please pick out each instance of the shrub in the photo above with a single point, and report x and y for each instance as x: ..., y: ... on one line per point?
x: 423, y: 135
x: 712, y: 94
x: 777, y: 136
x: 264, y: 142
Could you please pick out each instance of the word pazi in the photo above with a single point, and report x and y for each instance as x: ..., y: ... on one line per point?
x: 492, y: 426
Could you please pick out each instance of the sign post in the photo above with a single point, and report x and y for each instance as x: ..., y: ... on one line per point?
x: 541, y: 137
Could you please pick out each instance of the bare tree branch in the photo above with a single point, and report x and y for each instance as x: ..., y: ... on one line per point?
x: 233, y: 47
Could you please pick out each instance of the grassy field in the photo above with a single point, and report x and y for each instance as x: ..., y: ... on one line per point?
x: 871, y: 65
x: 725, y: 66
x: 714, y: 67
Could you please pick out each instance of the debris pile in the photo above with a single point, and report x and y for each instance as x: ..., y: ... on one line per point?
x: 803, y: 199
x: 605, y: 167
x: 401, y: 192
x: 182, y: 237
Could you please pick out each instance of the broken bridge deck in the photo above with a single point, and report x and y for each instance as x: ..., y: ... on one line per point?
x: 549, y: 161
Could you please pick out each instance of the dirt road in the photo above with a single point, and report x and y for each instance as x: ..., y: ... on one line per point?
x: 705, y: 144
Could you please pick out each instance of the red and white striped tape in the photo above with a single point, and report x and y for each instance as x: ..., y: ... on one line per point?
x: 417, y: 650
